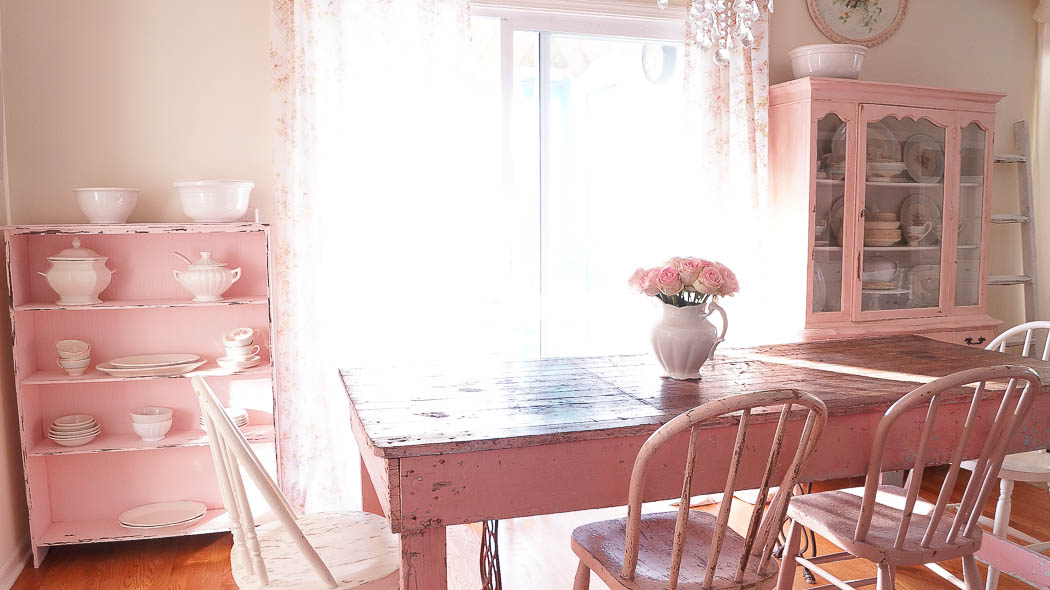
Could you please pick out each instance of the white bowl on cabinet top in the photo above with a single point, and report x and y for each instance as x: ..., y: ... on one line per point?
x: 828, y: 60
x: 214, y: 201
x: 106, y: 205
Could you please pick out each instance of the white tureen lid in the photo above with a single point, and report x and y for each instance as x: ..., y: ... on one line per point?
x: 77, y: 253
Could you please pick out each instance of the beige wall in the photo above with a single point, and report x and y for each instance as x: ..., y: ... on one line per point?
x: 970, y: 44
x: 134, y: 93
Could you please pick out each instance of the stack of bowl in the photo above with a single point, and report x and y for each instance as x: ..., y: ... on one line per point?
x: 240, y: 352
x: 74, y: 356
x: 881, y: 228
x: 74, y: 430
x: 151, y: 423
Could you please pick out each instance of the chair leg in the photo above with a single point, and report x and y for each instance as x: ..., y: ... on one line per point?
x: 583, y: 577
x: 971, y: 576
x: 886, y: 579
x: 786, y: 577
x: 1002, y: 523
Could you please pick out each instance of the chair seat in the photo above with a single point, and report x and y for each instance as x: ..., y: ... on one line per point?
x: 357, y: 547
x: 833, y: 515
x: 601, y: 545
x: 1032, y: 466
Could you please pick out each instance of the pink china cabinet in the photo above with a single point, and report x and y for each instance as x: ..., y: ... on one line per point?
x: 76, y: 493
x: 891, y: 183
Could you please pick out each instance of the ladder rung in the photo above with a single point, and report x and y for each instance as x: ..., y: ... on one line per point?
x: 1009, y: 280
x: 1010, y: 158
x: 1009, y: 218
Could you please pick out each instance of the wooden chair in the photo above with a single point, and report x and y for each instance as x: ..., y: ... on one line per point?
x: 889, y: 525
x: 1031, y: 467
x: 648, y: 551
x: 323, y: 550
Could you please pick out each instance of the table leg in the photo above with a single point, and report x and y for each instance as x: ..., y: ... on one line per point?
x: 1002, y: 523
x: 423, y: 559
x: 369, y: 498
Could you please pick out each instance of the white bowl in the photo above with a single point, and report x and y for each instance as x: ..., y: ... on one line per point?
x: 152, y: 432
x: 74, y: 442
x: 72, y: 349
x: 241, y: 337
x: 150, y: 415
x: 72, y: 430
x: 207, y: 201
x: 74, y: 420
x: 829, y: 60
x: 74, y: 363
x: 55, y: 435
x: 107, y: 205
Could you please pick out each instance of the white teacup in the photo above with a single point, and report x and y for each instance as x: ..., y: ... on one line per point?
x: 913, y: 234
x: 239, y: 337
x: 242, y: 352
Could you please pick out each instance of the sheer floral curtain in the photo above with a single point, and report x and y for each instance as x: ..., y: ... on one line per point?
x: 388, y: 212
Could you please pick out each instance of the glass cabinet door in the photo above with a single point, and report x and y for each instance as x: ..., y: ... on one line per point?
x: 972, y: 158
x: 828, y: 236
x: 902, y: 216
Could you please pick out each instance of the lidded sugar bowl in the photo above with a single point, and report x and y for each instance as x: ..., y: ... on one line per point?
x: 206, y: 278
x: 78, y: 275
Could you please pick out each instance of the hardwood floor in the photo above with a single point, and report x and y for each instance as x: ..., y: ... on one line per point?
x: 535, y: 555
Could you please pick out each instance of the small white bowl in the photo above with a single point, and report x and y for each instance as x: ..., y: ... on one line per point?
x: 55, y: 435
x: 74, y: 442
x: 74, y: 420
x: 106, y: 205
x: 72, y: 349
x: 152, y: 432
x: 214, y: 201
x: 241, y: 337
x: 150, y: 415
x: 828, y: 60
x: 73, y: 363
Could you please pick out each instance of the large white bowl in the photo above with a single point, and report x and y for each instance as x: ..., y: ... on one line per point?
x: 107, y: 205
x: 209, y: 201
x: 828, y: 60
x: 152, y: 432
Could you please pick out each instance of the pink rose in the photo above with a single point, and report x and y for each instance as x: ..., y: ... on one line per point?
x: 669, y: 281
x: 676, y: 260
x: 729, y: 281
x: 648, y: 284
x: 690, y: 269
x: 710, y: 280
x: 635, y: 282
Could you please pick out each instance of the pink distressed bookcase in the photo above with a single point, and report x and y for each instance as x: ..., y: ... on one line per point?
x: 804, y: 116
x: 75, y: 494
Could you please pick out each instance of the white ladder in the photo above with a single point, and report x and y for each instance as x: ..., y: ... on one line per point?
x: 1026, y: 218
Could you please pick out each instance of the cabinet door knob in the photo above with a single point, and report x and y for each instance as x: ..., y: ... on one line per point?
x: 980, y: 340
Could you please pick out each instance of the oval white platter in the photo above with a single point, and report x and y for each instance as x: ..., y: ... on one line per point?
x: 154, y: 360
x: 163, y: 514
x: 164, y: 371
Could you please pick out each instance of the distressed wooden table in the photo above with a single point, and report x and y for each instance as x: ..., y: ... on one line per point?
x: 452, y: 446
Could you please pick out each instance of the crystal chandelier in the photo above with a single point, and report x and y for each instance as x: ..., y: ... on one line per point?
x: 717, y: 22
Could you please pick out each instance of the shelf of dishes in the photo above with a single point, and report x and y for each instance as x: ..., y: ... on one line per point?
x: 55, y: 377
x: 111, y: 443
x: 891, y: 184
x: 146, y: 304
x: 109, y: 529
x: 893, y: 248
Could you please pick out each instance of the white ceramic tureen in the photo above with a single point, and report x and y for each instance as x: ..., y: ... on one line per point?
x: 207, y: 278
x: 78, y: 275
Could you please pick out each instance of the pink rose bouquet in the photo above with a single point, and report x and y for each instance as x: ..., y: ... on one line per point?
x: 685, y: 281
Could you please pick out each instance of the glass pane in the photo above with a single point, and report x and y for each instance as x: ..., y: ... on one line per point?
x: 904, y: 204
x: 971, y: 212
x: 620, y: 189
x: 827, y: 230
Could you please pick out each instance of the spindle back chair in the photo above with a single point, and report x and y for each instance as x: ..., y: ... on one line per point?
x: 710, y: 570
x: 232, y: 454
x: 893, y: 540
x: 1030, y: 330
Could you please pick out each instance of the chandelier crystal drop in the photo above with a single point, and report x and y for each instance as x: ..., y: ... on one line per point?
x: 717, y: 24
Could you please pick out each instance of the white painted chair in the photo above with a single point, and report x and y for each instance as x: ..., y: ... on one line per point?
x: 889, y: 525
x: 648, y: 551
x: 1031, y: 467
x: 313, y: 551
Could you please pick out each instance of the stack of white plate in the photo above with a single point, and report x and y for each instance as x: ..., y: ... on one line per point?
x: 238, y: 415
x: 74, y: 430
x: 152, y: 365
x: 165, y: 516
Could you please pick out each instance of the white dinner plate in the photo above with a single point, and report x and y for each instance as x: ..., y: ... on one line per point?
x: 918, y: 209
x: 165, y: 371
x: 162, y: 514
x: 154, y: 360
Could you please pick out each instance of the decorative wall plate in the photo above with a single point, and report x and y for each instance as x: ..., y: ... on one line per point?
x: 863, y: 22
x: 924, y: 158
